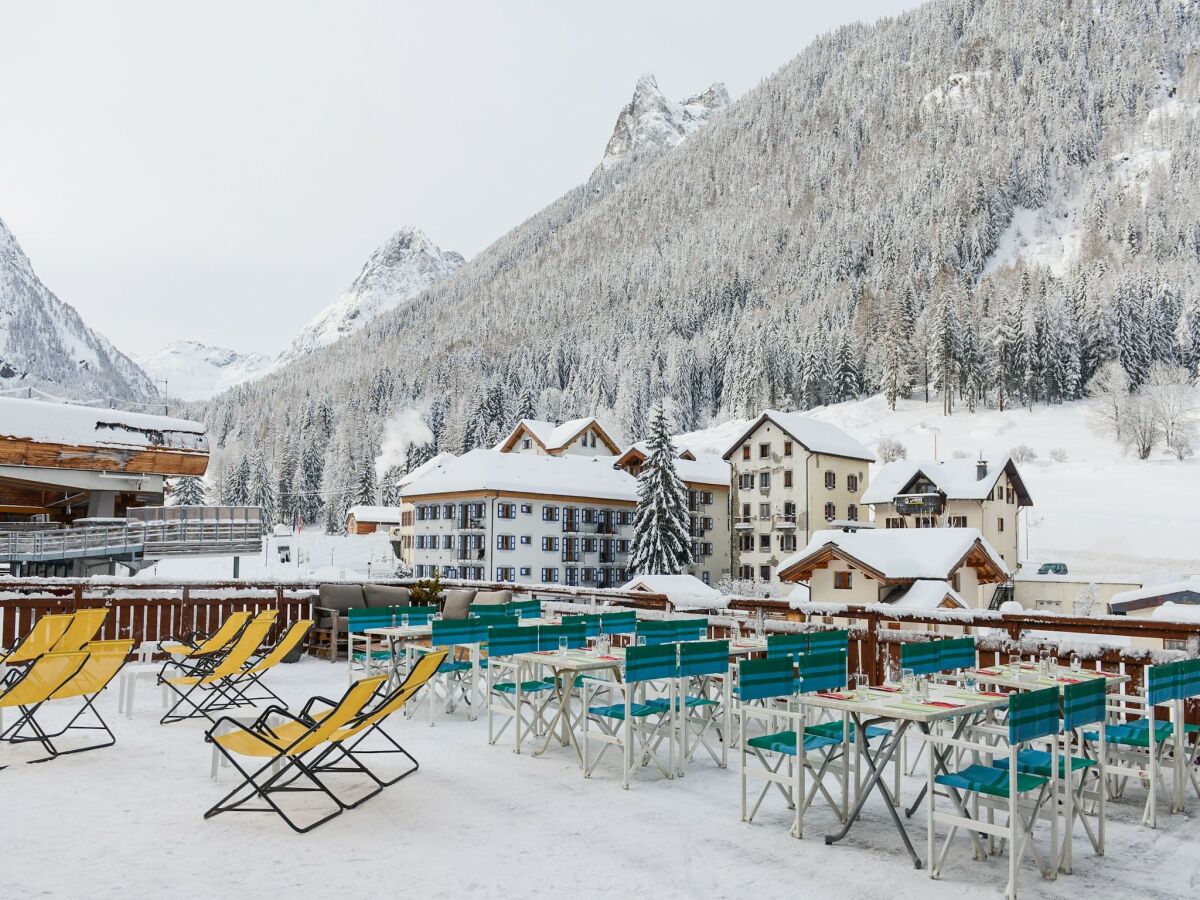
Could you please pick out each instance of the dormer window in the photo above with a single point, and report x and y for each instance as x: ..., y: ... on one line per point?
x: 526, y: 443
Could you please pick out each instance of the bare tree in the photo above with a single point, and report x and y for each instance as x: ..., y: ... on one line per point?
x: 1140, y: 425
x: 890, y: 450
x: 1109, y: 393
x: 1172, y: 397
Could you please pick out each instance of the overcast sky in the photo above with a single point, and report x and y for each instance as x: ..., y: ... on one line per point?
x: 220, y: 171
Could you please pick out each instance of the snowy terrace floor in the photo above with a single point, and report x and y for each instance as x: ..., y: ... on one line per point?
x: 477, y: 820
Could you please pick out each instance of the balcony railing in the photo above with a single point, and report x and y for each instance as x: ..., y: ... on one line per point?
x: 785, y: 521
x: 470, y: 554
x: 470, y: 524
x: 743, y: 522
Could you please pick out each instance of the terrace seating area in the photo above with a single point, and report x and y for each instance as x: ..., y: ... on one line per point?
x: 952, y: 758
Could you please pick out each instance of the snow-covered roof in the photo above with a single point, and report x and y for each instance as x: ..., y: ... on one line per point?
x: 90, y: 426
x: 432, y: 463
x: 554, y: 436
x: 958, y: 479
x: 900, y: 553
x: 1177, y: 612
x: 681, y: 590
x: 703, y: 467
x: 927, y: 594
x: 813, y: 434
x: 584, y: 477
x: 389, y: 515
x: 1146, y: 597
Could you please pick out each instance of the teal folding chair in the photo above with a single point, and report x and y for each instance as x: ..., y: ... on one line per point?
x: 520, y: 701
x: 1032, y: 718
x: 702, y: 703
x: 634, y: 724
x: 837, y: 639
x: 618, y: 622
x: 456, y: 678
x: 693, y: 628
x: 924, y: 658
x: 528, y: 609
x: 653, y: 632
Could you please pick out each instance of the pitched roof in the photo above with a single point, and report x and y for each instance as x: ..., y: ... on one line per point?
x: 926, y: 594
x: 897, y: 554
x: 552, y: 436
x: 585, y: 477
x: 813, y: 434
x: 693, y: 467
x: 681, y: 590
x: 958, y: 479
x: 388, y: 515
x: 432, y: 463
x: 1177, y: 592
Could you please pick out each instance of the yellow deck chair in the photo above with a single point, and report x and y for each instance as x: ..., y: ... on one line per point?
x: 104, y: 661
x: 281, y: 749
x: 214, y: 643
x: 85, y: 625
x: 28, y: 688
x: 215, y: 688
x: 41, y: 638
x: 346, y: 747
x: 286, y: 644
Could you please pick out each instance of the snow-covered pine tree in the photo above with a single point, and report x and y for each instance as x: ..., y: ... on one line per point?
x: 261, y: 490
x: 364, y: 484
x: 661, y: 543
x: 189, y: 490
x: 237, y: 484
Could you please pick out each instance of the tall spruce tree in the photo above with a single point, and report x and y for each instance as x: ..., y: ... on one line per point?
x: 661, y: 543
x: 187, y: 491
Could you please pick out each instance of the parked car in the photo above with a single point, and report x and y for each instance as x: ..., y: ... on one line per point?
x: 1052, y: 569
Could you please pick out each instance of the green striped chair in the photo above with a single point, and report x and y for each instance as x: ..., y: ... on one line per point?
x: 528, y: 609
x: 827, y: 641
x: 589, y: 621
x: 655, y: 631
x: 702, y: 700
x: 493, y: 613
x: 923, y: 657
x: 634, y: 724
x: 618, y: 622
x: 956, y: 653
x: 783, y: 757
x: 1137, y: 751
x: 779, y: 645
x: 1021, y: 796
x: 455, y: 679
x: 364, y: 649
x: 693, y: 628
x: 1084, y: 704
x: 519, y: 700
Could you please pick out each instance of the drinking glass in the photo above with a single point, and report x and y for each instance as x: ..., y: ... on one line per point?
x: 969, y: 681
x: 735, y: 631
x: 892, y: 672
x: 908, y: 681
x: 861, y: 683
x: 1076, y: 663
x: 922, y: 688
x: 1044, y: 662
x: 404, y: 620
x: 641, y: 640
x: 562, y: 642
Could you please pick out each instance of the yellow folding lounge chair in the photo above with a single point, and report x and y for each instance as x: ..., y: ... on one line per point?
x: 281, y: 750
x: 41, y: 638
x: 226, y: 632
x: 286, y: 644
x: 85, y: 625
x: 104, y: 661
x: 348, y: 742
x: 215, y: 686
x: 28, y: 688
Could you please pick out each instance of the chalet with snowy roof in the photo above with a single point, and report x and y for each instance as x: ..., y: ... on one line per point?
x: 706, y: 477
x: 959, y: 493
x: 790, y: 474
x: 1180, y: 599
x: 582, y: 437
x: 935, y: 568
x: 61, y: 462
x: 523, y: 516
x: 369, y: 519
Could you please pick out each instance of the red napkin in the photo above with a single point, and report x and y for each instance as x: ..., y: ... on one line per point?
x: 832, y: 696
x: 992, y: 694
x: 1068, y: 680
x: 943, y: 704
x: 986, y: 672
x: 884, y: 687
x: 606, y: 657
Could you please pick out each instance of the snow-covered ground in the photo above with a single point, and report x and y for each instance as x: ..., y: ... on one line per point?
x: 313, y: 555
x: 1100, y: 511
x: 478, y: 820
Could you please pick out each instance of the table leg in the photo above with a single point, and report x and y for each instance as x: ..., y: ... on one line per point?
x: 877, y: 764
x: 939, y: 763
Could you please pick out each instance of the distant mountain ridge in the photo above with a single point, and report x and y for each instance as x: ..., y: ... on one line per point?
x: 650, y: 123
x: 45, y: 344
x: 399, y: 269
x: 190, y: 370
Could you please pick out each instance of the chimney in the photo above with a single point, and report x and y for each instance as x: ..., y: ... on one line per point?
x: 981, y: 469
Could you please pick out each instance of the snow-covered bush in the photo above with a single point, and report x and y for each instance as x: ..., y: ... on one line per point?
x: 1140, y: 425
x: 1182, y: 446
x: 960, y: 454
x: 1022, y: 453
x: 1109, y: 392
x: 890, y: 450
x: 1058, y: 455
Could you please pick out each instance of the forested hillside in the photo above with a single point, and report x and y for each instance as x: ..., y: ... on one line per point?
x: 980, y: 201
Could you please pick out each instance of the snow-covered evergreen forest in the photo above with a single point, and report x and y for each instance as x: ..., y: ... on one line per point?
x: 977, y: 203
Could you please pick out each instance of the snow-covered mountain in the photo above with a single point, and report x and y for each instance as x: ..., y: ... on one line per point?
x: 652, y: 124
x: 195, y: 371
x: 403, y: 266
x: 45, y: 344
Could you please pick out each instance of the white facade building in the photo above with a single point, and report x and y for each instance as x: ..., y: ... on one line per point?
x: 526, y: 517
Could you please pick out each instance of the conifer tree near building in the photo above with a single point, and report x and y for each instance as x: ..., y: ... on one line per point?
x: 661, y: 544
